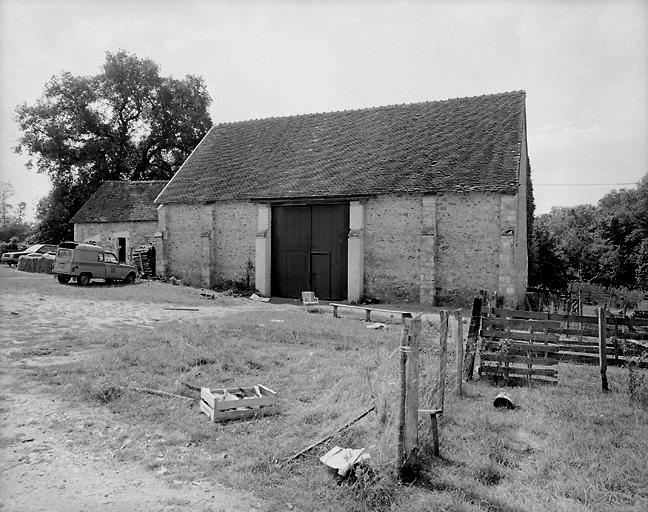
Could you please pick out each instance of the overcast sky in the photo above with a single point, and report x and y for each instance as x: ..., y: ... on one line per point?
x: 584, y: 66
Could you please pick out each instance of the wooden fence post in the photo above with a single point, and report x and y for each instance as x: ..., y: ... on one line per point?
x: 443, y: 358
x: 471, y: 342
x: 459, y: 351
x: 409, y: 383
x: 403, y: 347
x: 602, y: 347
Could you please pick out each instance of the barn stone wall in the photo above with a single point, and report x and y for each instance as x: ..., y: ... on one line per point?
x: 436, y: 249
x: 233, y: 243
x: 392, y: 239
x: 522, y: 250
x: 208, y: 245
x: 468, y: 245
x: 442, y: 249
x: 183, y: 229
x: 105, y: 234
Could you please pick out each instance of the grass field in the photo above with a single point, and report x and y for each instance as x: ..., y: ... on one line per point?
x: 566, y: 447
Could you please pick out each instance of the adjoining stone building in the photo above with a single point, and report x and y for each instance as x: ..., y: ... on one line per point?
x: 120, y: 216
x: 421, y: 202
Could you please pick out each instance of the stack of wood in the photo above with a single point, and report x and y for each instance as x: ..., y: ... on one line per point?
x: 144, y: 260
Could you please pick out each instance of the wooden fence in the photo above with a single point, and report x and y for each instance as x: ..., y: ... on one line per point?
x: 510, y: 354
x: 527, y: 344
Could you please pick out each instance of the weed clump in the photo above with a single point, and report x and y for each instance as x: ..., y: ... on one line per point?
x: 106, y: 394
x: 488, y: 474
x: 375, y: 490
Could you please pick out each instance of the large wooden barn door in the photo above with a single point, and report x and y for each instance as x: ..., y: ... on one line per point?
x: 309, y: 250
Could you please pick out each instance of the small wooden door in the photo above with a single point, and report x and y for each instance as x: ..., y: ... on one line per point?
x: 309, y: 250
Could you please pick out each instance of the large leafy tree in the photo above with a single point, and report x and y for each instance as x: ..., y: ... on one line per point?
x: 125, y: 123
x: 604, y: 244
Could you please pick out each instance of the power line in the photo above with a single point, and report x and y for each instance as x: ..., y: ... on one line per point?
x: 582, y: 184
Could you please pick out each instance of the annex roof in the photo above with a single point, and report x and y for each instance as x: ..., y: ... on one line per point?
x: 461, y: 144
x: 121, y: 201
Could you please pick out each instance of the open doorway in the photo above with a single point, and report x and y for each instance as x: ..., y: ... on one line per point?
x: 121, y: 249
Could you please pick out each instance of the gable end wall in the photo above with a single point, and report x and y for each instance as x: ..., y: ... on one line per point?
x: 105, y: 234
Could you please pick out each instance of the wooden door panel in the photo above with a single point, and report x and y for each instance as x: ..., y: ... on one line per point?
x: 309, y: 250
x: 330, y: 228
x: 290, y: 265
x: 321, y: 274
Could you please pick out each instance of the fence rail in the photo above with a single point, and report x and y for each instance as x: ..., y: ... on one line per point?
x: 573, y: 338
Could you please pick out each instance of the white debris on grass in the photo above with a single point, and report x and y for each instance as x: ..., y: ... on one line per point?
x: 343, y: 459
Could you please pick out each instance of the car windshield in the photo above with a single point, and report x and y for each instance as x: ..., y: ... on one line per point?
x: 64, y: 254
x: 111, y: 258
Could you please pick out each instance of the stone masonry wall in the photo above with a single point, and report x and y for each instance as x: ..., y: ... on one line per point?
x: 450, y: 240
x: 467, y: 245
x: 233, y: 243
x: 392, y: 242
x: 185, y: 227
x: 521, y: 251
x: 105, y: 234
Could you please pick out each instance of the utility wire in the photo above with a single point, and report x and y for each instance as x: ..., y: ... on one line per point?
x: 582, y: 184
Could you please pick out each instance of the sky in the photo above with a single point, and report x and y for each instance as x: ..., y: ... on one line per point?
x: 583, y: 65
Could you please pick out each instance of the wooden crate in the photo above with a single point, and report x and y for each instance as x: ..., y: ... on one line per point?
x: 219, y: 405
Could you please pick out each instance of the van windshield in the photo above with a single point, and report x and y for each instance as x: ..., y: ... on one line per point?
x: 64, y: 254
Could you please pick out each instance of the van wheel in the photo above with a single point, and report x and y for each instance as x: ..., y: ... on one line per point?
x: 83, y: 280
x: 63, y: 279
x: 109, y: 281
x: 130, y: 278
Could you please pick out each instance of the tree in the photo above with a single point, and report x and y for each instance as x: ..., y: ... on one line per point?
x: 12, y: 227
x: 7, y: 191
x: 605, y: 244
x: 125, y: 123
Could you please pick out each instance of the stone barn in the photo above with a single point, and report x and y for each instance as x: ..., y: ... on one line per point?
x: 120, y: 216
x: 420, y: 202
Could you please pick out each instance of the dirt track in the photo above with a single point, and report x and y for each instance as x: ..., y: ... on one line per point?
x: 60, y: 456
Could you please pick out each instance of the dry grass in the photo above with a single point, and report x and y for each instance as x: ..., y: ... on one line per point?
x: 565, y: 448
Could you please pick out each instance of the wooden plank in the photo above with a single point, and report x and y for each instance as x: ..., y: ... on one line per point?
x: 443, y: 359
x: 518, y: 335
x: 523, y: 347
x: 632, y: 322
x: 513, y: 370
x: 638, y: 336
x: 434, y: 430
x: 520, y: 324
x: 519, y: 359
x: 587, y: 349
x: 207, y: 410
x: 514, y: 313
x: 459, y: 351
x: 412, y: 388
x: 244, y: 413
x: 327, y: 437
x: 602, y: 348
x: 403, y: 347
x: 364, y: 308
x: 471, y: 341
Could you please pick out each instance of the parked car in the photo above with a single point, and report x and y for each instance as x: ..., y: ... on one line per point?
x: 85, y: 262
x: 11, y: 258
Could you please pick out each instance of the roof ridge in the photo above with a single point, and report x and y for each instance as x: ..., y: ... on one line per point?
x: 375, y: 108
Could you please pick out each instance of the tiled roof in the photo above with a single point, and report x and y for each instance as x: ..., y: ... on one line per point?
x: 459, y: 144
x: 121, y: 201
